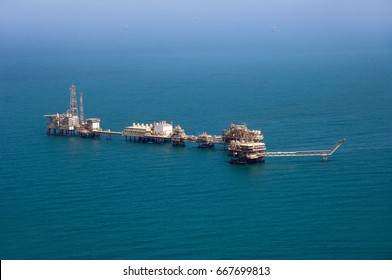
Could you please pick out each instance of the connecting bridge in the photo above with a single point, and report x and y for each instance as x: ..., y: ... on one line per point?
x: 323, y: 153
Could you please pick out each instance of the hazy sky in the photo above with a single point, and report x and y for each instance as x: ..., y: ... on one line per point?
x: 49, y: 26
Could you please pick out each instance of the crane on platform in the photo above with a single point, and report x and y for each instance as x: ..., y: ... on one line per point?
x: 81, y: 110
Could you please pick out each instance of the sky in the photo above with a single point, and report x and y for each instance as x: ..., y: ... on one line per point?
x: 72, y: 26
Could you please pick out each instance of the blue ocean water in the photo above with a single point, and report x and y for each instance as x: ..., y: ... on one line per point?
x: 72, y: 198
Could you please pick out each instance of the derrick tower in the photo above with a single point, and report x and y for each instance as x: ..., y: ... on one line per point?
x: 73, y: 103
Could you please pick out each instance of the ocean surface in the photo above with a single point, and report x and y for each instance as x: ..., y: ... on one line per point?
x: 73, y: 198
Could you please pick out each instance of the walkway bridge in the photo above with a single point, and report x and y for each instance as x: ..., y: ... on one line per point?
x: 323, y: 153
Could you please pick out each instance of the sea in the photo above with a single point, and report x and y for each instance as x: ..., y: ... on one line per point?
x: 73, y: 198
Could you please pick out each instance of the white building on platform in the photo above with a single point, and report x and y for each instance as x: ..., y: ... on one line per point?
x: 163, y: 128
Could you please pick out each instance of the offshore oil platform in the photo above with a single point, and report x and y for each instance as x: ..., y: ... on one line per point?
x: 244, y: 145
x: 72, y: 122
